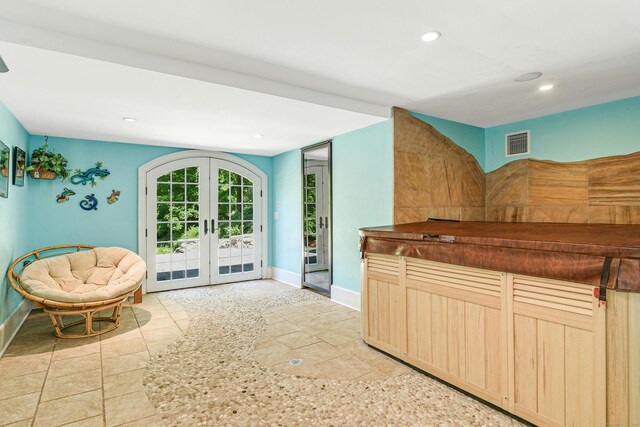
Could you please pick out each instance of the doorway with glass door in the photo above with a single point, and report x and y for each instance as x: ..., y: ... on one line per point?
x: 316, y: 222
x: 203, y: 224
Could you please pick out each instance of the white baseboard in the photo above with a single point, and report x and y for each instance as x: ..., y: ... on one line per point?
x: 285, y: 276
x: 345, y: 297
x: 11, y: 326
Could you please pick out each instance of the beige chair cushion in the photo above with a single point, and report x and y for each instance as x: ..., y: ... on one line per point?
x: 98, y: 274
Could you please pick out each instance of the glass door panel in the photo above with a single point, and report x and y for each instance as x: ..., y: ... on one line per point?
x: 236, y: 242
x: 177, y: 247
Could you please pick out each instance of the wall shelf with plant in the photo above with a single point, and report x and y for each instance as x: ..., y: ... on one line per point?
x: 46, y: 164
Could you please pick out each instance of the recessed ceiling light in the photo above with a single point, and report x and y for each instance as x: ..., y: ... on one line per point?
x: 431, y: 36
x: 129, y: 119
x: 258, y: 135
x: 527, y: 77
x: 545, y: 87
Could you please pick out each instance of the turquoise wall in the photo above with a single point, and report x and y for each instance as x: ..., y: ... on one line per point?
x: 53, y: 223
x: 471, y: 138
x: 111, y: 225
x: 13, y: 213
x: 362, y: 194
x: 287, y: 202
x: 598, y: 131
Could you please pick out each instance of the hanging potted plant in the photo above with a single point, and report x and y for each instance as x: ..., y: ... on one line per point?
x: 4, y: 162
x: 46, y: 164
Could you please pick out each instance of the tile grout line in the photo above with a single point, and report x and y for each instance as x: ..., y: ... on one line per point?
x: 46, y: 376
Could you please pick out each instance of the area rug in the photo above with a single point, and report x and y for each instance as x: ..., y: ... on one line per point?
x: 210, y: 377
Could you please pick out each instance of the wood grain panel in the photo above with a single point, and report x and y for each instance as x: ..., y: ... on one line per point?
x: 579, y: 376
x: 615, y: 181
x: 419, y: 325
x: 433, y: 176
x: 507, y: 186
x: 525, y: 334
x: 633, y: 363
x: 618, y: 359
x: 557, y: 184
x: 439, y: 322
x: 551, y: 380
x: 475, y: 351
x: 494, y: 361
x: 456, y: 351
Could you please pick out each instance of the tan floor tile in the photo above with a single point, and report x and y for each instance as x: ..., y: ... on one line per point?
x: 22, y: 365
x: 298, y: 339
x: 157, y: 323
x: 271, y: 318
x: 61, y: 368
x: 18, y: 408
x: 142, y: 315
x: 297, y: 317
x: 81, y: 348
x: 183, y: 324
x: 154, y: 421
x: 122, y: 335
x: 282, y: 328
x: 373, y: 376
x: 273, y: 355
x: 320, y: 308
x: 306, y: 369
x: 334, y: 316
x: 162, y: 334
x: 129, y: 362
x: 317, y: 326
x: 123, y: 383
x: 120, y: 348
x: 69, y: 409
x: 352, y: 324
x: 127, y: 408
x: 174, y: 308
x: 180, y: 315
x: 344, y: 367
x: 264, y: 341
x: 81, y: 382
x: 338, y: 337
x: 23, y: 423
x: 156, y: 347
x: 18, y: 386
x: 96, y: 421
x: 316, y: 353
x: 24, y: 345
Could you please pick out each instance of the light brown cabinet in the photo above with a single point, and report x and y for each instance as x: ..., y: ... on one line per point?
x: 536, y: 347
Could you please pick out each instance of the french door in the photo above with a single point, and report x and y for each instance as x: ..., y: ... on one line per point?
x: 316, y: 218
x: 203, y: 224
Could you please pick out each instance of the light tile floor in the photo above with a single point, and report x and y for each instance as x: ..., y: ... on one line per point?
x: 95, y: 381
x: 325, y: 336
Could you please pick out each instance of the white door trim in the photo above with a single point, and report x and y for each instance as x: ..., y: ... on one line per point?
x: 187, y: 154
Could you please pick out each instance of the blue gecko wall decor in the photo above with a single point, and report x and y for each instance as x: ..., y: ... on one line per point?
x: 89, y: 175
x: 64, y: 196
x: 90, y: 203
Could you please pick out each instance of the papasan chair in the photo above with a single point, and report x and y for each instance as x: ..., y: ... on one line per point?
x: 78, y: 280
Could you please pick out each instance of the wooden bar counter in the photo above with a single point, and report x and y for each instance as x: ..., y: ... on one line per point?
x: 542, y: 320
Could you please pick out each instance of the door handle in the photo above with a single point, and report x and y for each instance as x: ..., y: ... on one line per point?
x: 206, y: 230
x: 320, y: 224
x: 326, y: 222
x: 213, y: 225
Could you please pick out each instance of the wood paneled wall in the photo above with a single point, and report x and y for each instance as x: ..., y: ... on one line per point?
x: 433, y: 177
x: 605, y: 190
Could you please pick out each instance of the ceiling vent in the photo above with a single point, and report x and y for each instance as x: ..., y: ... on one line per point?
x: 517, y: 143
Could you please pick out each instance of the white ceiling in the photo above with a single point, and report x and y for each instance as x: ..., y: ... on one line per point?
x: 344, y: 57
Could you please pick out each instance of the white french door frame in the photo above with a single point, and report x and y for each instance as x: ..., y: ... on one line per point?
x: 212, y: 155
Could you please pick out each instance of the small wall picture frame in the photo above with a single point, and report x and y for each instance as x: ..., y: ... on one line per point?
x: 19, y: 163
x: 5, y: 162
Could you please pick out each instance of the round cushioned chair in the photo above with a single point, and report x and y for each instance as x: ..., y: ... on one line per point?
x: 78, y: 280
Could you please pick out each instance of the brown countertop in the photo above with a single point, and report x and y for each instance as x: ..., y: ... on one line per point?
x: 594, y: 239
x: 570, y: 252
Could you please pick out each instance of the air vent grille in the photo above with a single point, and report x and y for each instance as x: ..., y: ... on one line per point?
x: 517, y: 143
